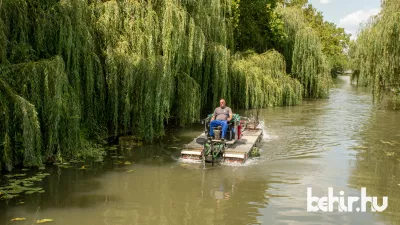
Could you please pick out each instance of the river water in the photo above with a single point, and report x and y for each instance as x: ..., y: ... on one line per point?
x: 342, y: 142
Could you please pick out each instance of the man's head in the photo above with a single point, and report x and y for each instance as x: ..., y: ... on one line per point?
x: 222, y: 103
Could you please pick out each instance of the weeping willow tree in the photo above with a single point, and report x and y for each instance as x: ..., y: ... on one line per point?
x: 260, y: 80
x: 75, y: 71
x: 303, y: 53
x: 159, y: 49
x: 212, y: 41
x: 19, y: 129
x: 376, y: 57
x: 309, y: 65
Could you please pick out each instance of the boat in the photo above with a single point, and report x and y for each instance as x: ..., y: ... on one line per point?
x: 242, y: 136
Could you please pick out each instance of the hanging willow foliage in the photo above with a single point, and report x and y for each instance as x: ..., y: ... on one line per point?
x: 376, y: 58
x: 260, y: 80
x: 303, y: 52
x: 20, y: 129
x: 75, y: 70
x: 309, y: 65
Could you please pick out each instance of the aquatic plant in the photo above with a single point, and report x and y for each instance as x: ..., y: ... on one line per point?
x: 18, y: 185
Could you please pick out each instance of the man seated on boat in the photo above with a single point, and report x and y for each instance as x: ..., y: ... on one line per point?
x: 222, y: 116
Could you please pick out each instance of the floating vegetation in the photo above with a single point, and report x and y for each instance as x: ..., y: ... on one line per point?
x: 15, y: 175
x: 376, y: 56
x: 390, y: 153
x: 44, y: 220
x: 18, y: 185
x: 99, y: 160
x: 64, y: 166
x: 18, y: 219
x: 255, y: 152
x: 391, y: 143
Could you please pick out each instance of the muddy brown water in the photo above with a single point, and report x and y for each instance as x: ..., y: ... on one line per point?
x: 342, y: 142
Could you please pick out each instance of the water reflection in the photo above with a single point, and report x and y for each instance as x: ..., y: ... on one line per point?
x: 378, y: 162
x: 169, y: 193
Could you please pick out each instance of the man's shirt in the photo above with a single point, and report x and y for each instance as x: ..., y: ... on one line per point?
x: 222, y: 113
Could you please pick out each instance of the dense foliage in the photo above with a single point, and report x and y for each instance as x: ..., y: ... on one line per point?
x: 258, y: 25
x: 376, y: 56
x: 303, y: 52
x: 261, y: 81
x: 334, y: 40
x: 73, y: 72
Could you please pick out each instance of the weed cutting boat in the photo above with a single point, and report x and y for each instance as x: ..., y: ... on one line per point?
x: 242, y: 136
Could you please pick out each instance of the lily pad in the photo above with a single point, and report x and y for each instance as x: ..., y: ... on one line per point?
x: 8, y: 196
x: 27, y: 184
x: 44, y: 220
x: 65, y: 166
x: 73, y: 161
x: 22, y: 186
x: 18, y: 219
x: 15, y: 175
x: 117, y: 162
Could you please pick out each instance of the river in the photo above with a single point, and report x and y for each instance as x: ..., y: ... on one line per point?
x: 343, y: 142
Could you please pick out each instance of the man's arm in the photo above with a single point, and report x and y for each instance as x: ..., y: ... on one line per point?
x: 213, y: 117
x: 230, y: 115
